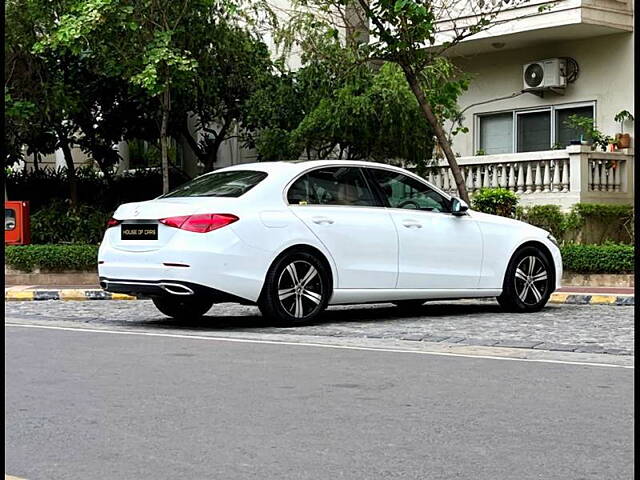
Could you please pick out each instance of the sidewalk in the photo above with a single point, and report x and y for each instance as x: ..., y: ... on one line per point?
x: 569, y: 295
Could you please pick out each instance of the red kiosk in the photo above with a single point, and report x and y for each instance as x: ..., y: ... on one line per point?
x: 17, y: 229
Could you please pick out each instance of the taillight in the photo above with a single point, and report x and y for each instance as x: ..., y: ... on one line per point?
x: 201, y: 223
x: 112, y: 222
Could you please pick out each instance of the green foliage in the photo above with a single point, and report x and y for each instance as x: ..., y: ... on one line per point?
x: 41, y: 187
x: 584, y: 219
x: 586, y: 126
x: 606, y: 258
x: 53, y: 258
x: 373, y: 116
x: 622, y: 117
x: 548, y: 217
x: 495, y: 201
x: 60, y: 223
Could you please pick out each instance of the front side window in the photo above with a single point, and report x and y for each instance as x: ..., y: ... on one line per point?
x: 221, y: 184
x: 402, y: 191
x: 332, y: 186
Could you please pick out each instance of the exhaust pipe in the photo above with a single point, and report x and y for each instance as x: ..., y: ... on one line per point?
x: 176, y: 289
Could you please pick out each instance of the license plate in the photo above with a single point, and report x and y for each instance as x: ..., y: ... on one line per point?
x: 139, y: 231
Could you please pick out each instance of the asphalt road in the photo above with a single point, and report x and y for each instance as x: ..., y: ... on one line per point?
x: 100, y: 405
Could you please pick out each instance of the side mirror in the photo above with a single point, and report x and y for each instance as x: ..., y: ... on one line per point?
x: 458, y: 207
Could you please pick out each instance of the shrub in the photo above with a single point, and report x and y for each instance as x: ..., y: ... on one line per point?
x: 59, y: 223
x: 51, y: 257
x: 585, y: 223
x: 607, y: 258
x: 549, y: 217
x: 39, y: 187
x: 496, y: 201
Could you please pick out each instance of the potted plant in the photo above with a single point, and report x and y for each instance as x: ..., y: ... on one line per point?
x: 589, y: 134
x: 623, y: 139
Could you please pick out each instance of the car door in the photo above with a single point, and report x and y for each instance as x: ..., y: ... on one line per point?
x: 340, y: 208
x: 436, y: 249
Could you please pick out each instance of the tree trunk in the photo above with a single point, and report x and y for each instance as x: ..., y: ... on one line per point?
x: 428, y: 114
x: 212, y: 154
x: 166, y: 106
x: 71, y: 170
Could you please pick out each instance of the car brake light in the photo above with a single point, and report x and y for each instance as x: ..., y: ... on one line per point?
x: 201, y: 223
x: 112, y: 222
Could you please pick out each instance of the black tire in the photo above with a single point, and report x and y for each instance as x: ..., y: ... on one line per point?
x: 409, y: 305
x: 183, y: 307
x: 527, y: 287
x: 285, y: 299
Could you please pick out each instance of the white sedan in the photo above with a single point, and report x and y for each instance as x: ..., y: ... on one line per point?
x: 294, y: 237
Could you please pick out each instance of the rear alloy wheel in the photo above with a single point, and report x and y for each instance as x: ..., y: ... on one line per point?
x: 296, y: 290
x: 528, y: 283
x: 183, y: 307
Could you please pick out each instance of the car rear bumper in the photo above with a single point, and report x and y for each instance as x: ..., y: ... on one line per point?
x: 161, y: 288
x: 220, y: 265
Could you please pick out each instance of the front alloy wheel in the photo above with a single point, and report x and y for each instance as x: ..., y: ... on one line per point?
x: 528, y: 282
x: 296, y: 289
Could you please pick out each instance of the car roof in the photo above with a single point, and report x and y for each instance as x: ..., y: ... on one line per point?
x: 294, y: 166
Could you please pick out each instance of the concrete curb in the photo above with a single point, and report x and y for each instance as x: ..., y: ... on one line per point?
x: 97, y: 294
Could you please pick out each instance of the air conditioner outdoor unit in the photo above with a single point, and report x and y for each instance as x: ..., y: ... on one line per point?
x: 550, y: 74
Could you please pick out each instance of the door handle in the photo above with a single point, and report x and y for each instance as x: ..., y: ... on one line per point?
x: 411, y: 224
x: 321, y: 220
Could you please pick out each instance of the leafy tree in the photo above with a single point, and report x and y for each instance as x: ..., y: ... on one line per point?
x: 336, y: 107
x: 58, y: 100
x: 414, y: 34
x: 230, y: 65
x: 38, y: 96
x: 134, y: 40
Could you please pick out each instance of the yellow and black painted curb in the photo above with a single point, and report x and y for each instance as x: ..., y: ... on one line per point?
x: 96, y: 294
x: 64, y: 294
x: 593, y: 299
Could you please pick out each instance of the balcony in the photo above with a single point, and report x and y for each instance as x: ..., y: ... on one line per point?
x: 561, y: 177
x: 521, y: 23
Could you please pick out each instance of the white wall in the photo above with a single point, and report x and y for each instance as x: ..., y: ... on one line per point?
x: 606, y: 77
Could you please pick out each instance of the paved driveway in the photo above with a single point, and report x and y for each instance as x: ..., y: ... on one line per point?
x: 579, y: 328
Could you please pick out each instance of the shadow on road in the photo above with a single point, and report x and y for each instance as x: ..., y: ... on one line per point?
x: 333, y: 316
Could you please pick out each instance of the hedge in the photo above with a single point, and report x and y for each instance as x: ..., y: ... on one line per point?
x: 58, y: 223
x: 42, y: 186
x: 606, y: 258
x: 55, y: 258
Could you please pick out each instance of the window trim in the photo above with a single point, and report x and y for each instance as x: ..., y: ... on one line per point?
x: 374, y: 188
x: 514, y: 123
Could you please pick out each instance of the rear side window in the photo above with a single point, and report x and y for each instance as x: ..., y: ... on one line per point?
x: 332, y: 186
x: 222, y: 184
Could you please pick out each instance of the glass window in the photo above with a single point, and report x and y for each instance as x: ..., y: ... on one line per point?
x: 222, y: 184
x: 565, y: 134
x: 332, y: 186
x: 402, y: 191
x: 534, y: 131
x: 9, y: 219
x: 496, y: 133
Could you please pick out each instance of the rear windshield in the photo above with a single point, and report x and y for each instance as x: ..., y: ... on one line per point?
x: 222, y: 184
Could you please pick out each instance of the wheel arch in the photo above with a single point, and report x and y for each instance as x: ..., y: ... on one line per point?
x: 304, y: 247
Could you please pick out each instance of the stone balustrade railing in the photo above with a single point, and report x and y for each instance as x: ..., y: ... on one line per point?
x: 576, y: 174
